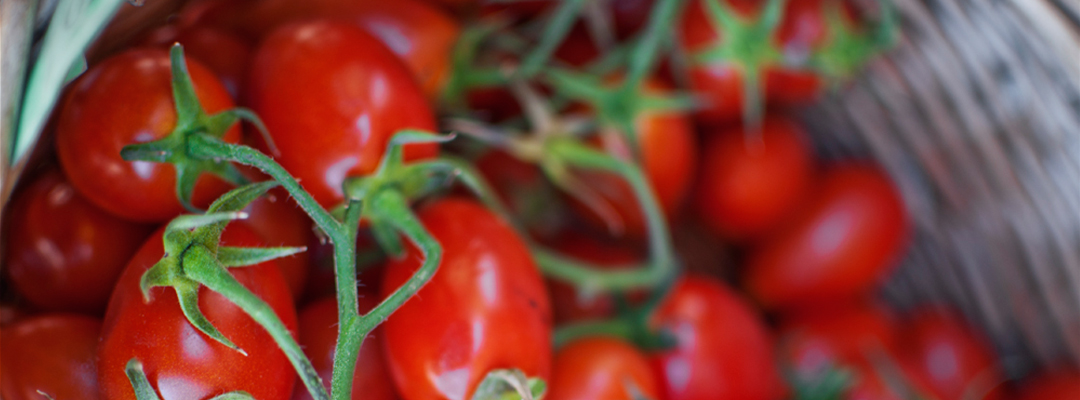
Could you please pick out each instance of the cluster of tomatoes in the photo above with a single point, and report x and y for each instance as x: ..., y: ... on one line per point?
x: 539, y: 91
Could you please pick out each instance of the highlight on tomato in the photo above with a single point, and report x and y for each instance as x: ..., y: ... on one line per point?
x: 601, y: 368
x: 50, y: 355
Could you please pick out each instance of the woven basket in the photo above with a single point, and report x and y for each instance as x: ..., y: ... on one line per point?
x: 976, y: 115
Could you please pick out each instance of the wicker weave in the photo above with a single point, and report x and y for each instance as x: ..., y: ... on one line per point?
x: 976, y: 114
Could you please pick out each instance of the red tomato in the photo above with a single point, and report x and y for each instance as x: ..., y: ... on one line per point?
x: 723, y: 349
x: 223, y: 52
x: 601, y: 369
x: 841, y: 244
x: 485, y: 309
x: 127, y: 99
x: 569, y: 304
x: 813, y: 341
x: 668, y: 158
x: 940, y: 352
x: 748, y: 188
x: 319, y: 334
x: 331, y: 96
x: 63, y: 253
x: 50, y: 354
x: 180, y: 361
x: 1063, y: 384
x: 279, y: 221
x: 868, y: 384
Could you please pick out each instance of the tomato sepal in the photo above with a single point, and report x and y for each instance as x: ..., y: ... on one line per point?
x: 139, y: 383
x: 509, y: 384
x: 846, y: 49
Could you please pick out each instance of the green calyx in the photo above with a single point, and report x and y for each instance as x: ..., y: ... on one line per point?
x: 830, y: 383
x: 847, y: 49
x: 509, y: 384
x: 194, y: 257
x: 191, y: 119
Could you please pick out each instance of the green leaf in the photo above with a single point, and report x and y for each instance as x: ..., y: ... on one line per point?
x: 509, y: 384
x: 137, y: 377
x: 188, y: 295
x: 192, y: 221
x: 245, y: 256
x: 239, y: 198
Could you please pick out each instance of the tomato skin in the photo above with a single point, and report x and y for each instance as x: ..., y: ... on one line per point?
x: 818, y: 339
x: 279, y: 221
x: 63, y: 253
x: 180, y: 361
x: 723, y: 349
x: 600, y: 368
x: 331, y: 96
x: 838, y: 247
x: 53, y: 353
x: 748, y: 188
x: 946, y: 356
x: 318, y: 336
x: 127, y: 99
x: 485, y: 308
x: 223, y: 52
x: 1061, y: 384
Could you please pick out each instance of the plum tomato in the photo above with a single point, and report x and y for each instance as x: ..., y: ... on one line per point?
x: 601, y: 368
x: 279, y: 221
x: 484, y: 309
x: 123, y: 100
x: 723, y: 349
x: 318, y: 336
x: 49, y: 354
x: 748, y: 187
x: 948, y: 357
x: 223, y: 52
x: 838, y: 246
x: 63, y: 253
x: 180, y: 361
x: 1056, y: 384
x: 813, y: 341
x: 331, y: 96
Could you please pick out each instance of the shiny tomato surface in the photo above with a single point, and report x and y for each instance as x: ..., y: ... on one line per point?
x: 949, y: 358
x: 50, y: 354
x: 601, y: 368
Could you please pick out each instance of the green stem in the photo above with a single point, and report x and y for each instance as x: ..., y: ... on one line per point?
x: 643, y: 56
x: 619, y: 328
x: 348, y: 345
x: 217, y: 278
x: 554, y: 34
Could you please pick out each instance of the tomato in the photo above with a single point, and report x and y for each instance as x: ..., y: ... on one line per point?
x: 834, y: 338
x: 748, y: 188
x: 223, y: 52
x: 723, y: 349
x: 331, y: 96
x: 279, y: 221
x: 940, y: 352
x: 127, y: 99
x: 318, y: 335
x: 571, y: 305
x: 51, y: 354
x: 665, y: 141
x: 179, y: 360
x: 485, y: 309
x: 63, y: 253
x: 1060, y: 384
x: 843, y: 242
x: 601, y: 368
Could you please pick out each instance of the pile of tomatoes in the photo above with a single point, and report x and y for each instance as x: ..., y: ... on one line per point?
x: 761, y: 262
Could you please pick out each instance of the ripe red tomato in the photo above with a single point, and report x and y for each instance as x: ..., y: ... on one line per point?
x: 319, y: 334
x: 331, y: 96
x: 568, y: 302
x: 601, y: 368
x: 485, y: 309
x: 1062, y: 384
x: 819, y: 339
x: 52, y: 354
x: 63, y: 253
x: 180, y: 361
x: 838, y: 247
x: 127, y: 99
x: 938, y: 351
x: 223, y: 52
x: 748, y: 188
x: 723, y: 349
x: 279, y: 221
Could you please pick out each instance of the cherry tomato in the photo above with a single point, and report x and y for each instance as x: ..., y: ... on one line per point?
x: 814, y: 341
x: 949, y: 358
x: 331, y: 96
x: 223, y: 52
x: 484, y: 309
x: 842, y: 243
x: 179, y: 360
x: 1061, y: 384
x: 748, y: 188
x: 51, y: 354
x: 127, y: 99
x: 279, y: 221
x: 601, y: 368
x: 571, y: 305
x: 63, y: 253
x: 318, y: 336
x: 723, y: 349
